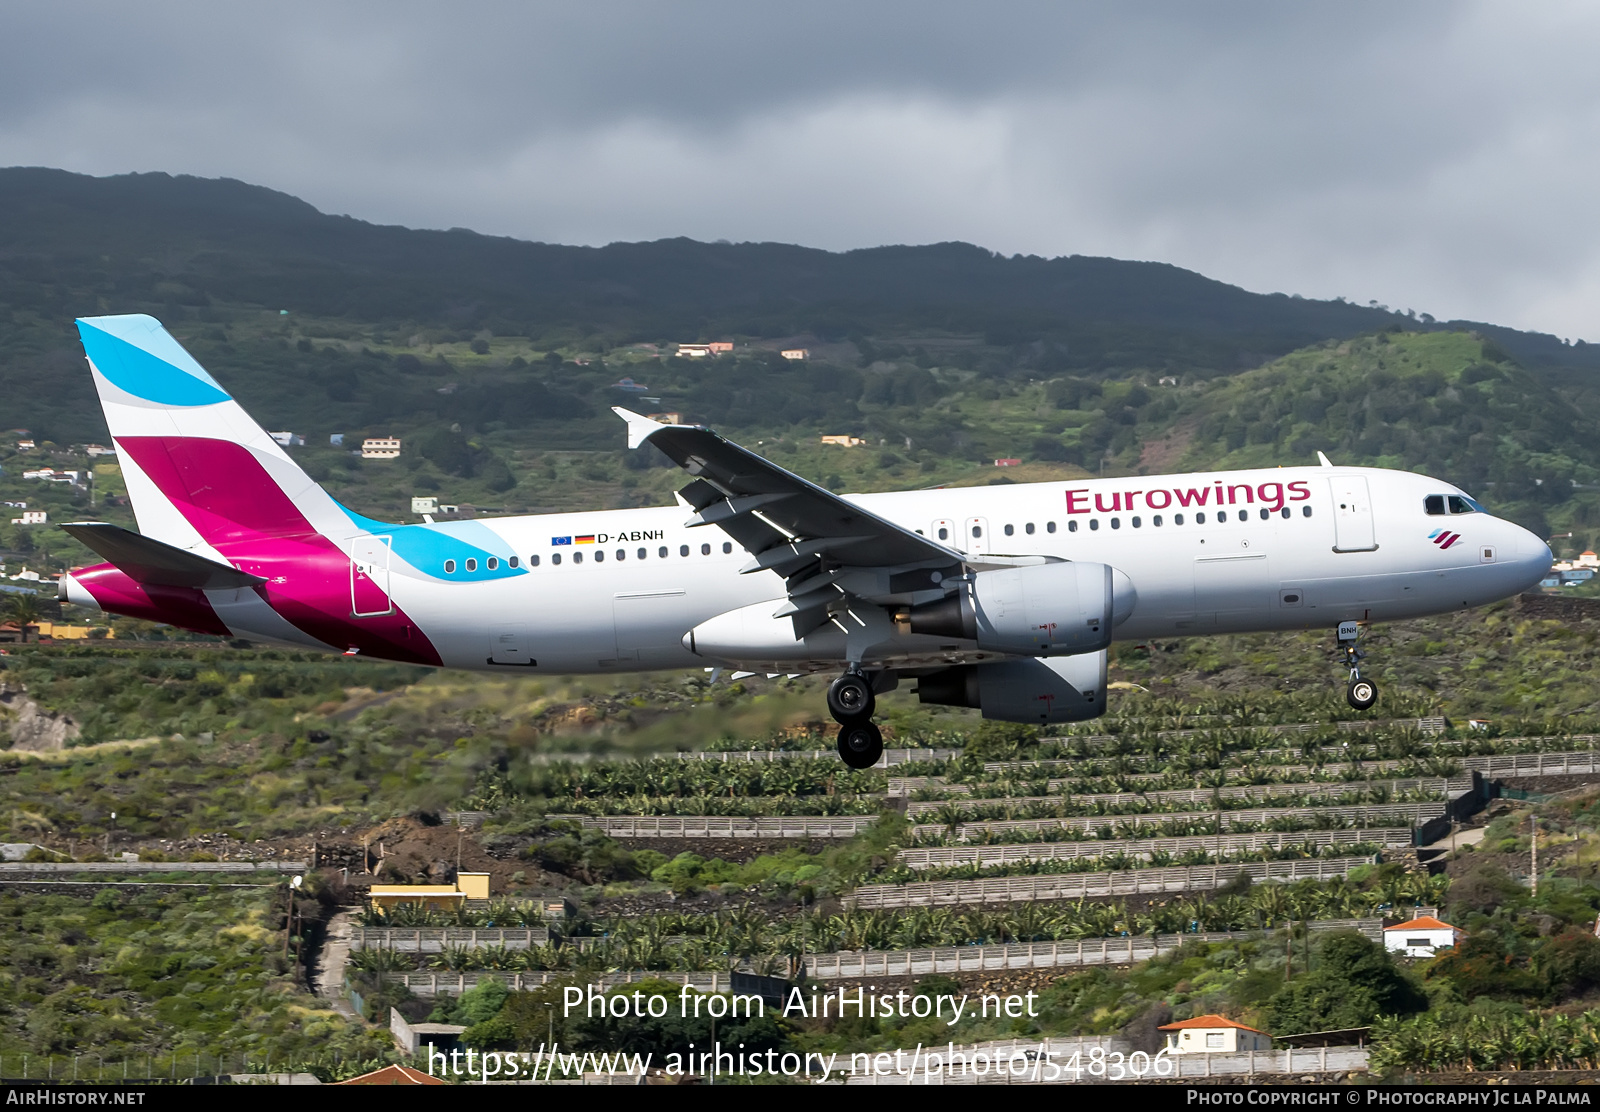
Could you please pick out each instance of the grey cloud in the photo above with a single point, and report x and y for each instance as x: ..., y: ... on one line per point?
x: 1428, y: 155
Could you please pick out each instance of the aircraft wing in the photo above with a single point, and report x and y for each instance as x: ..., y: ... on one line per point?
x: 147, y: 560
x: 804, y: 532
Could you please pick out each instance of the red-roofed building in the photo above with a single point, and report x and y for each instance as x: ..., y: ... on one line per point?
x: 1213, y: 1034
x: 1421, y: 937
x: 394, y: 1075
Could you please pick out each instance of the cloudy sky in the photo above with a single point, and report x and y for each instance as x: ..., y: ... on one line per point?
x: 1434, y: 156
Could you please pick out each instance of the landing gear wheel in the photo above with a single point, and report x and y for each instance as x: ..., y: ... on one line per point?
x: 860, y: 744
x: 1362, y: 694
x: 850, y: 699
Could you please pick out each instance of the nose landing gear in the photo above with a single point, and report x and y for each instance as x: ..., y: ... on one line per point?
x: 1362, y: 693
x: 851, y: 702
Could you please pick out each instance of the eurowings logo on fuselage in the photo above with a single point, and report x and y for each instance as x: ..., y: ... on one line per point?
x: 1444, y: 538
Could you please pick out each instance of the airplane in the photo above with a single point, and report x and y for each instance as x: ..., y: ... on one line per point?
x: 1005, y: 599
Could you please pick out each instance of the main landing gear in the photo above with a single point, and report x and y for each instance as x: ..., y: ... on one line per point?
x: 851, y: 702
x: 1362, y: 693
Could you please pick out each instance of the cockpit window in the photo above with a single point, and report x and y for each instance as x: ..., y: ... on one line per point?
x: 1440, y: 504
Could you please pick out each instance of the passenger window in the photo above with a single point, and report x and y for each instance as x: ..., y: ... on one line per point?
x: 1177, y: 519
x: 533, y: 561
x: 1433, y: 504
x: 944, y: 534
x: 449, y: 567
x: 599, y: 556
x: 662, y: 552
x: 727, y: 547
x: 1156, y: 521
x: 1072, y: 526
x: 1305, y: 511
x: 683, y: 550
x: 1049, y: 527
x: 1222, y: 515
x: 1284, y: 512
x: 1028, y: 528
x: 622, y: 553
x: 577, y: 557
x: 1199, y: 519
x: 705, y: 550
x: 1011, y: 530
x: 555, y: 557
x: 1136, y: 523
x: 977, y: 530
x: 1094, y: 524
x: 512, y: 562
x: 1116, y: 523
x: 643, y: 552
x: 472, y: 564
x: 494, y: 562
x: 1265, y: 513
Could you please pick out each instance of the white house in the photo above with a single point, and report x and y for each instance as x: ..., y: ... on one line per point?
x: 288, y: 439
x: 694, y: 351
x: 796, y: 355
x: 424, y: 504
x: 32, y: 517
x: 1213, y: 1034
x: 1420, y: 938
x: 380, y: 447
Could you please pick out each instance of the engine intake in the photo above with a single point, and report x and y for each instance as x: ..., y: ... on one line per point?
x: 1040, y: 610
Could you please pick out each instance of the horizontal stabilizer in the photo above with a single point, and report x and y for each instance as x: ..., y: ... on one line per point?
x: 146, y: 560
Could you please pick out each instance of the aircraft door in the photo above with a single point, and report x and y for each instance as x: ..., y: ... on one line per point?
x: 975, y: 536
x: 1352, y: 514
x: 369, y: 576
x: 944, y: 531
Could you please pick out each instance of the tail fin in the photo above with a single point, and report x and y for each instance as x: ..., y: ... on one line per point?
x: 200, y: 473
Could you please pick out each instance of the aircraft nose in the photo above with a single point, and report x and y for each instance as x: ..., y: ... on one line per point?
x: 1533, y: 554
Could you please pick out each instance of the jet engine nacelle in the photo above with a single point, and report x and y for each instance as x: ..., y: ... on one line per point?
x: 1061, y: 689
x: 1039, y: 610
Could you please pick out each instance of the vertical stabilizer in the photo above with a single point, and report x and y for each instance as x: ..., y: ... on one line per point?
x: 200, y: 473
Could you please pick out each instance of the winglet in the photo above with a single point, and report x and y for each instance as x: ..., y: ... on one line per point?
x: 1322, y: 459
x: 639, y: 426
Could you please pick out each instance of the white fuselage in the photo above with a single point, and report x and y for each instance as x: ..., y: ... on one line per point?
x: 1356, y: 543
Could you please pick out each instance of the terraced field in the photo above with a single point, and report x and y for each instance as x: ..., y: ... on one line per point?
x: 1094, y: 849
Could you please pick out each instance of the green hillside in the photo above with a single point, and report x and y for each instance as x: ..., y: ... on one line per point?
x: 497, y: 361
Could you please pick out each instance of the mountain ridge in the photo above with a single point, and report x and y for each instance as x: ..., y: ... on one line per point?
x: 241, y: 242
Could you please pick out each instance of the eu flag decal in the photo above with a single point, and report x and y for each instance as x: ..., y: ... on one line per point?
x: 560, y: 540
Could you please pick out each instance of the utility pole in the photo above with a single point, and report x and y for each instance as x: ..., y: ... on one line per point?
x: 1288, y: 951
x: 1533, y: 824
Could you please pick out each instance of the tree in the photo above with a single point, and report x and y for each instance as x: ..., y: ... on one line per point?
x: 23, y: 609
x: 1354, y: 983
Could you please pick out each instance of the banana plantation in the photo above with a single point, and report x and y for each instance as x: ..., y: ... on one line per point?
x: 750, y: 936
x: 1478, y: 1044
